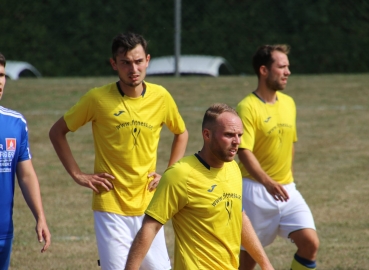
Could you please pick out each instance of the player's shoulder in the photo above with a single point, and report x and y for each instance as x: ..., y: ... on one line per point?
x: 233, y: 167
x: 185, y: 165
x: 178, y: 173
x: 103, y: 88
x: 249, y: 98
x: 154, y: 86
x: 283, y: 95
x: 247, y: 103
x: 12, y: 114
x: 285, y: 98
x: 157, y: 89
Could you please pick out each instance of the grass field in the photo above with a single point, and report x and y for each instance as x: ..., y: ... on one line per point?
x: 331, y: 164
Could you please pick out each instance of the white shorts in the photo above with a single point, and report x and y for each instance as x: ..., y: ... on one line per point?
x: 114, y: 236
x: 270, y: 217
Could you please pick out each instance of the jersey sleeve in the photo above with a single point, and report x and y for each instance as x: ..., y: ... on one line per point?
x: 173, y: 119
x: 295, y: 131
x: 170, y: 197
x: 24, y: 151
x: 81, y: 113
x: 247, y: 117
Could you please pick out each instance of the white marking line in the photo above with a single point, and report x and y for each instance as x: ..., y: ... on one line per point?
x: 335, y: 108
x: 73, y: 238
x: 45, y: 112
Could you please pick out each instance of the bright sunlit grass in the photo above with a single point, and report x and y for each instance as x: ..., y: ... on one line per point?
x: 331, y: 163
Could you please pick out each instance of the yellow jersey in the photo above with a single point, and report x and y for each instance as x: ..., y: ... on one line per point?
x: 205, y: 205
x: 269, y: 132
x: 126, y: 134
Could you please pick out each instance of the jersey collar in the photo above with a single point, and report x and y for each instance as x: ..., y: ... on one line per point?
x: 122, y: 93
x: 262, y: 100
x: 207, y: 166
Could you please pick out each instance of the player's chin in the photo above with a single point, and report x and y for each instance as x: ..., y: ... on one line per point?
x: 282, y: 86
x: 134, y: 84
x: 229, y: 158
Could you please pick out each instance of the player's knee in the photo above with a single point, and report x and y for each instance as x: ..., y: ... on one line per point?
x: 309, y: 249
x: 314, y: 245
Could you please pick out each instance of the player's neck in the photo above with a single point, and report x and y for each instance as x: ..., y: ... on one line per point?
x: 131, y: 91
x: 267, y: 95
x: 209, y: 158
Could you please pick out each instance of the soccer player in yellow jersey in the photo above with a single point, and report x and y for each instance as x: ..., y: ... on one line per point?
x: 266, y: 152
x: 127, y: 117
x: 202, y: 195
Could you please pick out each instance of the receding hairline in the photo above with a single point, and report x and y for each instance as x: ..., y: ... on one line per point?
x: 214, y: 112
x: 264, y: 55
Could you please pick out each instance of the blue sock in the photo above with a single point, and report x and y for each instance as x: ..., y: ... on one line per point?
x: 305, y: 262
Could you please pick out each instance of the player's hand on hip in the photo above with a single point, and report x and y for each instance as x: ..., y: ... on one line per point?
x: 154, y: 182
x: 93, y: 181
x: 277, y: 191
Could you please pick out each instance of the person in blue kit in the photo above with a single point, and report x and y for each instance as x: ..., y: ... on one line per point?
x: 15, y: 159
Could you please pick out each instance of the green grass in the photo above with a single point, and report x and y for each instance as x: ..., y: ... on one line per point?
x: 331, y: 164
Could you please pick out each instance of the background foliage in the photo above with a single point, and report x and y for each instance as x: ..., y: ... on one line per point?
x: 72, y: 38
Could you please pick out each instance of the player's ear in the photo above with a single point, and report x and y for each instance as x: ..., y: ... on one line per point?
x: 113, y: 64
x: 206, y: 134
x: 147, y: 60
x: 263, y: 70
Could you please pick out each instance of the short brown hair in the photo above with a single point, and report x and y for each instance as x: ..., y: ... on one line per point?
x: 263, y: 56
x: 213, y: 112
x: 123, y: 43
x: 2, y: 60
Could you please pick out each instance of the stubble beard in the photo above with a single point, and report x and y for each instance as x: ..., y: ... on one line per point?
x: 132, y: 84
x: 275, y: 85
x: 221, y: 154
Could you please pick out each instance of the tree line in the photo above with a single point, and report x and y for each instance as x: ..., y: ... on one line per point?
x: 73, y: 38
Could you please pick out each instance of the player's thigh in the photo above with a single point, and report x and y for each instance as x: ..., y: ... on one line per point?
x: 262, y: 211
x: 5, y: 252
x: 114, y: 236
x: 295, y: 214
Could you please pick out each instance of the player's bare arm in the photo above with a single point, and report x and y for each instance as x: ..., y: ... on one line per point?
x: 178, y: 150
x: 178, y: 147
x: 142, y: 242
x: 58, y: 138
x: 251, y: 243
x: 252, y: 165
x: 30, y: 188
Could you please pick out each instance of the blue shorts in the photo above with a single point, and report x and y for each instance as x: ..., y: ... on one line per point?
x: 5, y: 251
